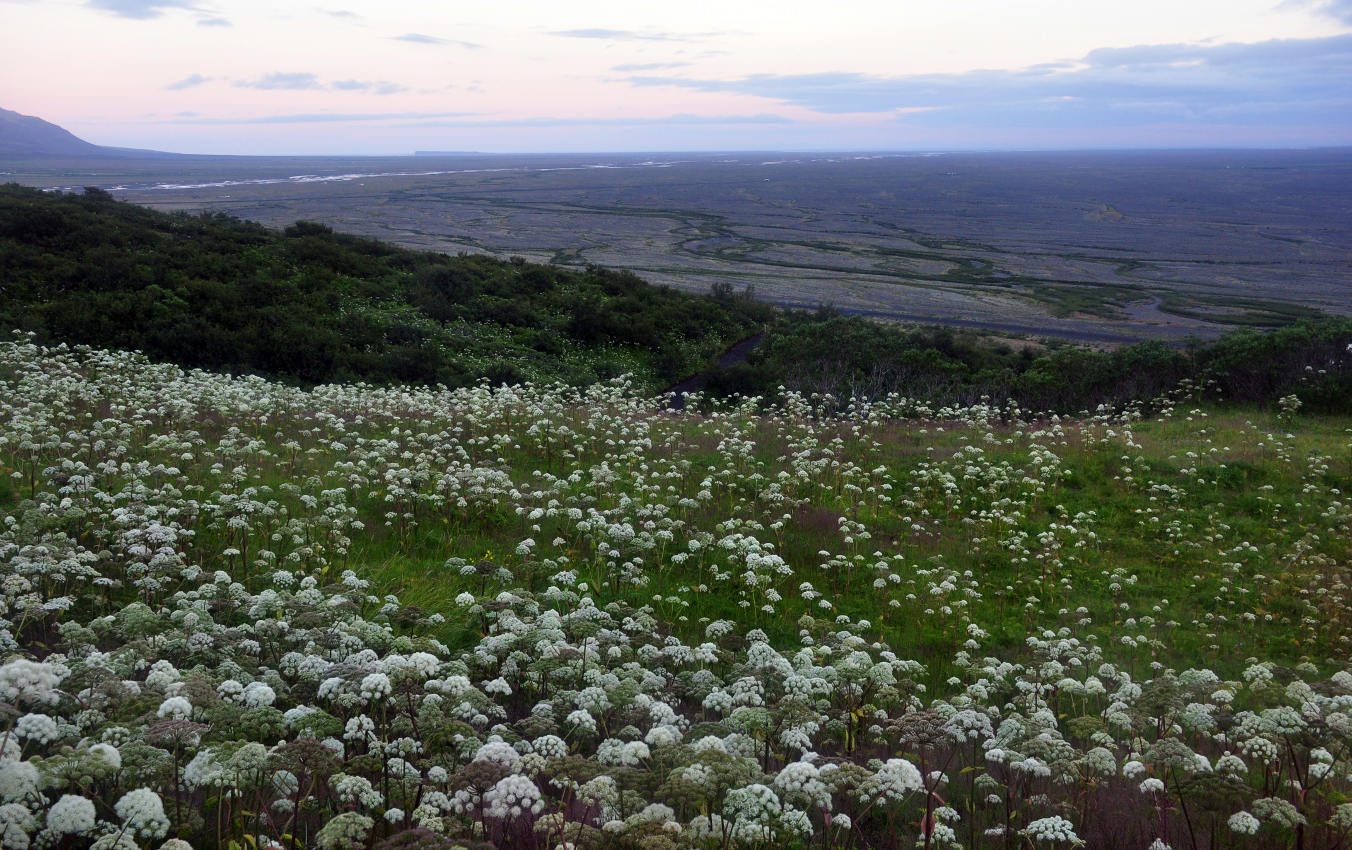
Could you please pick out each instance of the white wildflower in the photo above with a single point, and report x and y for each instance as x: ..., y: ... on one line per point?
x: 513, y: 797
x: 257, y: 694
x: 23, y: 681
x: 142, y: 812
x: 1054, y: 828
x: 37, y: 727
x: 1243, y: 823
x: 71, y: 815
x: 175, y: 708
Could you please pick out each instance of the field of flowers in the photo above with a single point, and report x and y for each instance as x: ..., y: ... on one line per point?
x: 242, y: 615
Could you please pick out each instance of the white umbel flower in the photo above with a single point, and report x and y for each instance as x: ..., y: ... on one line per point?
x: 142, y: 812
x: 513, y: 797
x: 24, y: 681
x: 19, y: 781
x: 550, y: 746
x: 258, y: 694
x: 108, y: 754
x: 16, y: 825
x: 498, y: 752
x: 175, y: 708
x: 71, y: 815
x: 375, y: 686
x: 894, y: 780
x: 1244, y: 823
x: 39, y: 728
x: 1054, y: 829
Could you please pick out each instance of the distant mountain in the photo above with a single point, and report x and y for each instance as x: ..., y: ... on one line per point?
x: 25, y: 134
x: 28, y: 136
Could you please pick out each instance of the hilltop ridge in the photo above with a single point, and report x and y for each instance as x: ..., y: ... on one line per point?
x: 29, y: 136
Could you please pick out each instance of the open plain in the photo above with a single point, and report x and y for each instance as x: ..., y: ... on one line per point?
x: 1099, y: 247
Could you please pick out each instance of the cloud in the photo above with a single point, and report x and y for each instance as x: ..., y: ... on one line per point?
x: 1263, y: 56
x: 649, y: 66
x: 420, y: 38
x: 305, y: 81
x: 281, y: 80
x: 190, y: 81
x: 137, y: 9
x: 670, y: 120
x: 624, y: 35
x: 1338, y: 10
x: 320, y: 117
x: 368, y: 86
x: 213, y: 22
x: 340, y: 13
x: 1293, y: 80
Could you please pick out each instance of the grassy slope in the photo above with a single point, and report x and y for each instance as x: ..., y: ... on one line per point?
x: 1011, y: 566
x: 1181, y: 530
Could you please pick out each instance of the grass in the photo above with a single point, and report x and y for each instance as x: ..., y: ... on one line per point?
x: 1201, y: 535
x: 980, y: 554
x: 1138, y: 535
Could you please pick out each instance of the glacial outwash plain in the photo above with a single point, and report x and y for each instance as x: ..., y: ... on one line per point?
x: 1106, y: 247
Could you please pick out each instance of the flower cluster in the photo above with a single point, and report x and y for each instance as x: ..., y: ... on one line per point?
x: 893, y: 624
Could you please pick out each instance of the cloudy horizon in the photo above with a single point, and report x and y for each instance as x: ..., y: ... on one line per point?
x: 361, y: 78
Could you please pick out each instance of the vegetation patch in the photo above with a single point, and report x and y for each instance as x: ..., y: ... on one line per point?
x: 240, y: 613
x: 823, y: 353
x: 309, y: 305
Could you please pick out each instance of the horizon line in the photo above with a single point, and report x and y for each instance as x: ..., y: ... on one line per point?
x: 149, y: 153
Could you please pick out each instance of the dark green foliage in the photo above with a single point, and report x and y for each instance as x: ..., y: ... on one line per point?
x: 1311, y: 359
x: 1074, y: 379
x: 824, y: 352
x: 310, y: 305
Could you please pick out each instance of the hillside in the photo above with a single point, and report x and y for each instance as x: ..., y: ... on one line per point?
x: 242, y: 614
x: 26, y: 135
x: 312, y: 306
x: 308, y: 305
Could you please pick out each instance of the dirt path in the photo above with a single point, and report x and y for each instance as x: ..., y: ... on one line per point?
x: 732, y: 355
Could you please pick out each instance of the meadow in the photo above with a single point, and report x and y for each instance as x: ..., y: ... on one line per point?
x: 241, y: 614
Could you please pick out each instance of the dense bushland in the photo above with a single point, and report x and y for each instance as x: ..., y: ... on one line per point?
x: 311, y: 306
x: 849, y: 357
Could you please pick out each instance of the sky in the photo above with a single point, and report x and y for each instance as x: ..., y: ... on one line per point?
x: 359, y: 77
